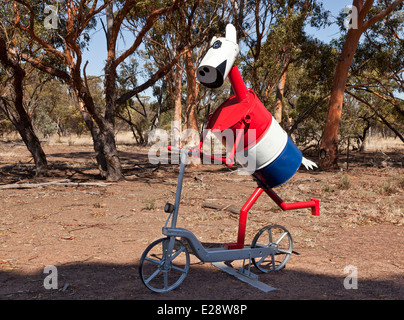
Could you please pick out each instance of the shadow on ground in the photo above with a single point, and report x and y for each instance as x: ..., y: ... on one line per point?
x: 109, y: 281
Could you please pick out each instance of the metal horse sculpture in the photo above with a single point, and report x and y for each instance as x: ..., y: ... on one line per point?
x: 276, y: 158
x: 255, y: 135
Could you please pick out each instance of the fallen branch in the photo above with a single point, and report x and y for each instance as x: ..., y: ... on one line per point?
x: 54, y: 183
x: 217, y: 206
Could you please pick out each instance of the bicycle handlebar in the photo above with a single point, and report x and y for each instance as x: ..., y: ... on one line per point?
x: 228, y: 161
x: 189, y: 152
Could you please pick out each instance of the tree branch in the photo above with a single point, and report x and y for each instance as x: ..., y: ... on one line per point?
x: 37, y: 63
x: 365, y: 10
x: 157, y: 76
x: 149, y: 23
x: 378, y: 114
x: 381, y: 15
x: 30, y: 30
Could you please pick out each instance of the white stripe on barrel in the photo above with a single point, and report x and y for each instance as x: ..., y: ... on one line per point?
x: 267, y: 149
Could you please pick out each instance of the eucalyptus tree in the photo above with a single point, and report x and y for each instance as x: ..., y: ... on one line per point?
x: 366, y: 13
x: 65, y: 45
x: 13, y: 78
x: 379, y: 66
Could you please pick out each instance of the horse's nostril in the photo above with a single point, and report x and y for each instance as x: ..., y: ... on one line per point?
x: 202, y: 73
x: 206, y: 70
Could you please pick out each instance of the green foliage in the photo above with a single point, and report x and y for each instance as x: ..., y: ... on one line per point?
x: 56, y: 111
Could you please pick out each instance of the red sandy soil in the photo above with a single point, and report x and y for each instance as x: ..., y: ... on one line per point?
x: 95, y: 235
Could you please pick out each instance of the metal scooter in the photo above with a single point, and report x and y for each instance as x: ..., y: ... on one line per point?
x: 165, y: 263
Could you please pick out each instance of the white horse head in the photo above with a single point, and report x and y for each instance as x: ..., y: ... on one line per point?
x: 219, y: 59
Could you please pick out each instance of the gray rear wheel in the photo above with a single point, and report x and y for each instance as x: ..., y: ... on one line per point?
x: 278, y: 238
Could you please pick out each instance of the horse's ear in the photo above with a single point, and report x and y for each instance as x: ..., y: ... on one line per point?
x: 231, y: 33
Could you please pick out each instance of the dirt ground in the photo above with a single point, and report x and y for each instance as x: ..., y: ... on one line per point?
x: 95, y: 235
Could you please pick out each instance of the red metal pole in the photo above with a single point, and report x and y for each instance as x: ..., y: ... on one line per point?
x: 314, y: 204
x: 237, y: 84
x: 243, y: 220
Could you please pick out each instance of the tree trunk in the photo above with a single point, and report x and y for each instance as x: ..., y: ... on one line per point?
x: 28, y: 135
x: 278, y: 110
x: 97, y: 141
x: 101, y: 128
x: 192, y: 93
x: 177, y: 95
x: 33, y: 144
x: 329, y: 143
x: 110, y: 151
x: 21, y: 119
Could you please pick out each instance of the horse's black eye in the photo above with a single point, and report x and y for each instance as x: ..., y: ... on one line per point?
x: 217, y: 44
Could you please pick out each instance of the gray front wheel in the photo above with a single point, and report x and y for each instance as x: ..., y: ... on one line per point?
x: 164, y: 265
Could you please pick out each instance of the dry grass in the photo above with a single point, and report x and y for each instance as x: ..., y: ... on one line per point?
x: 122, y: 138
x: 377, y: 200
x: 384, y: 144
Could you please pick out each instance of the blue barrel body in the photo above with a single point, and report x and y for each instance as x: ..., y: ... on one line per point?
x: 282, y: 168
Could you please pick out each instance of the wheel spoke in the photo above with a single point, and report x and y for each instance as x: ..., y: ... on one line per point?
x: 155, y: 273
x: 152, y: 260
x: 184, y: 270
x: 270, y: 236
x: 258, y: 263
x: 281, y: 237
x: 177, y: 253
